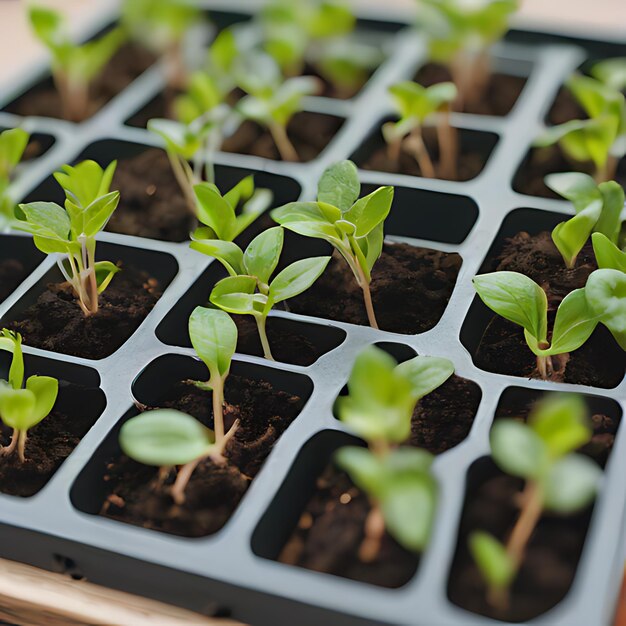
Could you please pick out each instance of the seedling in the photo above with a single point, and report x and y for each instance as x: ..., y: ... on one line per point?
x: 222, y: 58
x: 353, y: 226
x: 601, y: 139
x: 13, y: 142
x: 521, y: 300
x: 557, y: 480
x: 164, y: 437
x: 382, y: 396
x: 416, y: 105
x: 606, y: 295
x: 460, y: 35
x: 161, y: 26
x: 74, y: 66
x: 250, y: 290
x: 23, y: 406
x: 608, y: 255
x: 598, y: 209
x: 273, y: 100
x: 612, y: 72
x: 317, y: 32
x: 226, y: 216
x: 71, y: 230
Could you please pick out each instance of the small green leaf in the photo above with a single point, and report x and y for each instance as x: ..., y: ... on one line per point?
x: 339, y: 185
x: 612, y: 72
x: 214, y: 338
x: 16, y: 406
x: 517, y: 449
x: 45, y: 389
x: 215, y: 211
x: 610, y: 221
x: 580, y: 189
x: 608, y: 255
x: 570, y: 236
x: 606, y: 295
x: 237, y: 294
x: 12, y: 342
x: 229, y: 254
x: 311, y: 219
x: 425, y: 373
x: 85, y: 182
x: 370, y: 211
x: 364, y: 468
x: 296, y: 278
x: 98, y: 213
x: 105, y: 271
x: 517, y: 298
x: 13, y: 142
x: 492, y: 560
x: 262, y: 255
x: 165, y: 437
x: 571, y: 484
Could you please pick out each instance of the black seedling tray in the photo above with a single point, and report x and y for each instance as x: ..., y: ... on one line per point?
x: 233, y: 572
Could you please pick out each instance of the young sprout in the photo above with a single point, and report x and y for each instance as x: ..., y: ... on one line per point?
x: 273, y: 100
x: 521, y: 300
x: 74, y: 66
x: 415, y: 106
x: 353, y: 226
x: 161, y: 26
x: 557, y: 480
x: 611, y: 72
x: 600, y: 139
x: 460, y: 34
x: 166, y: 437
x: 226, y: 216
x: 598, y: 210
x: 23, y: 406
x: 249, y: 288
x: 13, y: 142
x: 606, y: 296
x: 608, y: 255
x: 71, y: 230
x: 382, y: 396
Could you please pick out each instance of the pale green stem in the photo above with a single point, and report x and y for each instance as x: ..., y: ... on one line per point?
x: 261, y: 321
x: 21, y: 445
x: 283, y: 143
x: 6, y: 450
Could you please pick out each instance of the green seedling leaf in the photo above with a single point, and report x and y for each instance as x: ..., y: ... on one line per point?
x: 165, y: 437
x: 365, y: 469
x: 611, y: 72
x: 13, y: 142
x: 370, y: 211
x: 261, y: 256
x: 11, y: 341
x: 606, y: 295
x: 608, y: 255
x: 105, y: 271
x: 518, y: 449
x: 571, y: 484
x: 339, y: 185
x: 426, y: 373
x: 310, y: 219
x: 213, y: 336
x: 85, y: 182
x: 493, y: 562
x: 178, y: 137
x: 296, y: 278
x: 517, y: 298
x: 237, y: 294
x: 580, y: 189
x: 610, y: 221
x: 561, y: 422
x: 22, y: 409
x: 229, y: 254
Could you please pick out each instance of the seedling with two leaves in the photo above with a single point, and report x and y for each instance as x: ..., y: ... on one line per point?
x: 318, y: 32
x: 161, y: 26
x: 13, y: 142
x: 600, y: 139
x: 23, y: 406
x: 273, y: 100
x: 521, y: 300
x: 460, y: 34
x: 353, y: 226
x: 74, y: 66
x: 557, y: 480
x: 416, y: 106
x: 381, y: 399
x: 249, y: 289
x: 598, y: 209
x: 71, y: 230
x: 166, y: 438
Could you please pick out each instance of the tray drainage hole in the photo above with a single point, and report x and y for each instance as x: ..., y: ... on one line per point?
x: 67, y: 566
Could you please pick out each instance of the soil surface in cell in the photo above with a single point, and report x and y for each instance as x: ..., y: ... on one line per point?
x: 12, y: 273
x: 48, y: 445
x: 330, y: 529
x: 309, y: 133
x: 502, y: 349
x: 470, y: 162
x: 540, y: 162
x: 500, y: 94
x: 213, y: 493
x: 410, y: 289
x: 56, y: 322
x: 151, y: 201
x: 126, y: 64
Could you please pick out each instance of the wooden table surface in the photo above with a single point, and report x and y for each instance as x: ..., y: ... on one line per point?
x: 33, y: 597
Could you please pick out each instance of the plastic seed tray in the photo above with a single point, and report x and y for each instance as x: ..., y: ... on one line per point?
x: 234, y: 571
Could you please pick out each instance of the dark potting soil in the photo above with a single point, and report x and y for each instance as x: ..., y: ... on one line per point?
x: 127, y: 63
x: 48, y: 445
x: 286, y: 346
x: 330, y: 529
x: 213, y: 492
x: 309, y: 132
x: 501, y: 92
x: 410, y: 290
x: 56, y: 322
x: 151, y: 202
x: 565, y: 108
x: 469, y: 164
x: 12, y: 273
x: 599, y: 362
